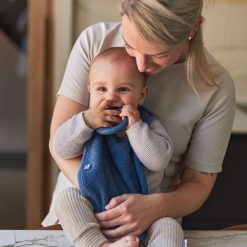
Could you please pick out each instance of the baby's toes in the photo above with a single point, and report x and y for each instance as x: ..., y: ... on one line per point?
x: 132, y: 241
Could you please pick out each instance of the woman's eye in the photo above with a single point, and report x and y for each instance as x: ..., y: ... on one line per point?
x: 161, y: 56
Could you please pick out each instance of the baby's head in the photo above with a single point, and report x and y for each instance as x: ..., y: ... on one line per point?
x: 115, y: 79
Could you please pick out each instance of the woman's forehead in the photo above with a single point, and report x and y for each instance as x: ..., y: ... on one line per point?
x: 136, y: 41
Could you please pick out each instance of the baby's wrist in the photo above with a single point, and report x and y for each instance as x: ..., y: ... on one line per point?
x: 86, y: 119
x: 133, y: 121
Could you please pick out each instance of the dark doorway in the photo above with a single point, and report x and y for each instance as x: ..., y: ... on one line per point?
x: 13, y: 78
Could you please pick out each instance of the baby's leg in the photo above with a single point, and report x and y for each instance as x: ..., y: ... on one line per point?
x: 76, y: 216
x: 165, y: 232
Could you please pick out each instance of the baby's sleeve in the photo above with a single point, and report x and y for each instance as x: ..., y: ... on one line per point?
x: 69, y: 138
x: 151, y: 143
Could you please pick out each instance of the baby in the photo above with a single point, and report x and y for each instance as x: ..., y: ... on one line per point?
x: 117, y: 91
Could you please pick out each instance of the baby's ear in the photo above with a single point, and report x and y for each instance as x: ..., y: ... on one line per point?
x: 143, y: 95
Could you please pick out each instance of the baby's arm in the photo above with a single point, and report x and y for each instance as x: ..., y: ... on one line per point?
x: 151, y: 144
x: 70, y: 137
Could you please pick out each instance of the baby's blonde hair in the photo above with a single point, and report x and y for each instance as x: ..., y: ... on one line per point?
x: 120, y: 57
x: 171, y: 22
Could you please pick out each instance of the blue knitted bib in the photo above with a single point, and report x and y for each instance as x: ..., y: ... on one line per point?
x: 109, y: 166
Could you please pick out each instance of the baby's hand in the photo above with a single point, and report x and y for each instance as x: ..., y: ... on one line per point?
x: 132, y: 113
x: 100, y: 117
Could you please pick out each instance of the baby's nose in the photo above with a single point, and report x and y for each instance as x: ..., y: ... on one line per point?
x: 111, y: 95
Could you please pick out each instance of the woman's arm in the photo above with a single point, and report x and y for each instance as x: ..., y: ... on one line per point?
x: 65, y: 108
x: 135, y: 213
x: 193, y: 191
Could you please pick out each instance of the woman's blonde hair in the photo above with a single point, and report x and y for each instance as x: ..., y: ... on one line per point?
x: 171, y: 22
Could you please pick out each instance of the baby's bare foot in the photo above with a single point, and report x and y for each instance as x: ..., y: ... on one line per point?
x: 128, y: 241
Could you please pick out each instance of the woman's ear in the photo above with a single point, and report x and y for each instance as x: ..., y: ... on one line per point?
x: 143, y: 95
x: 196, y: 27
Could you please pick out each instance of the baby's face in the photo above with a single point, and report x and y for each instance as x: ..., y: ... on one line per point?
x: 116, y: 85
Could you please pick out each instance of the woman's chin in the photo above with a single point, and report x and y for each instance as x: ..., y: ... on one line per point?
x: 153, y: 71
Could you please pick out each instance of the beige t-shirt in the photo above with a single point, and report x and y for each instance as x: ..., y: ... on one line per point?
x: 198, y: 124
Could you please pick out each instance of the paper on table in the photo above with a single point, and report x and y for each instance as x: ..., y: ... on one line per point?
x: 185, y: 243
x: 33, y: 238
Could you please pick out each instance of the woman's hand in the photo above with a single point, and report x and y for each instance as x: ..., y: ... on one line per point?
x: 131, y: 214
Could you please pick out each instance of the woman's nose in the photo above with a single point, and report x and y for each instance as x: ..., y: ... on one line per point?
x: 141, y: 62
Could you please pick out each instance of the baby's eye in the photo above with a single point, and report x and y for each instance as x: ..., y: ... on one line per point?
x: 101, y: 89
x: 123, y: 89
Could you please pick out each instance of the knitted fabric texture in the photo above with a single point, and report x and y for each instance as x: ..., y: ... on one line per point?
x: 109, y: 166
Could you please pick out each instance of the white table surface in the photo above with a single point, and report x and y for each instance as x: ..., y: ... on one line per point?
x: 216, y: 238
x: 52, y: 238
x: 25, y: 238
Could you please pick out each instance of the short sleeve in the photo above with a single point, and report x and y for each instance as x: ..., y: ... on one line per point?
x: 74, y: 83
x: 211, y: 133
x: 92, y: 41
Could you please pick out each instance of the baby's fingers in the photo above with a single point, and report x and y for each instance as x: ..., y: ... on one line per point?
x: 102, y: 104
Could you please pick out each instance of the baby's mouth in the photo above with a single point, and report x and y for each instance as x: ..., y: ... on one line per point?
x: 118, y: 108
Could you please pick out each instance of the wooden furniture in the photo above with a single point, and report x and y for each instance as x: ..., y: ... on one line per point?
x: 51, y: 227
x: 241, y: 227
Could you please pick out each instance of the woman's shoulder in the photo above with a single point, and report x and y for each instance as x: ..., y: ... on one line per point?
x: 223, y: 76
x: 102, y: 27
x: 101, y: 30
x: 221, y: 96
x: 99, y: 37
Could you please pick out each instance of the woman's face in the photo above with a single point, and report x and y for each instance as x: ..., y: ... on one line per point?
x: 151, y: 58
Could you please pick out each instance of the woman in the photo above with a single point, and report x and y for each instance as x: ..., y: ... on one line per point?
x: 189, y: 92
